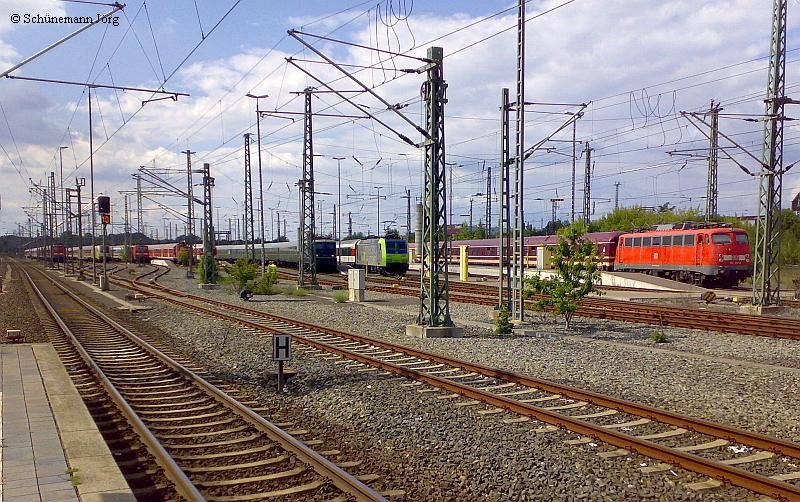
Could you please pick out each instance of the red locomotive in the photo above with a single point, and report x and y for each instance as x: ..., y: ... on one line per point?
x: 711, y: 254
x: 700, y: 253
x: 140, y: 254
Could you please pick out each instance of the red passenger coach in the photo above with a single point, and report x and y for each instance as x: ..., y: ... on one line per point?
x: 695, y: 253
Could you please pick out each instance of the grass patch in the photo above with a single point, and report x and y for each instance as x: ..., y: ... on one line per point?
x: 502, y: 325
x: 73, y: 476
x: 340, y: 296
x: 658, y: 336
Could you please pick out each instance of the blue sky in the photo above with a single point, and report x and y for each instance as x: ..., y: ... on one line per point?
x: 639, y: 63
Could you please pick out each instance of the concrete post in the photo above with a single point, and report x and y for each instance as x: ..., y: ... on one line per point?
x: 464, y: 263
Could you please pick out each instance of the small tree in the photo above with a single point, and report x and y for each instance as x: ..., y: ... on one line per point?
x: 125, y: 254
x: 183, y: 257
x: 576, y: 276
x: 502, y: 325
x: 243, y: 271
x: 207, y: 271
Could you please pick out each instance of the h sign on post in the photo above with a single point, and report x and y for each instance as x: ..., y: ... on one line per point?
x: 281, y: 351
x: 281, y: 348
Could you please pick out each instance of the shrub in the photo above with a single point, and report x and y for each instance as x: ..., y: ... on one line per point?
x: 658, y: 336
x: 183, y: 257
x: 502, y: 325
x: 242, y: 272
x: 210, y: 263
x: 340, y: 296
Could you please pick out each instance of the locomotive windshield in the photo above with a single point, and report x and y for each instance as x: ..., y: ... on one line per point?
x: 721, y: 239
x: 396, y: 247
x: 742, y: 239
x: 326, y: 248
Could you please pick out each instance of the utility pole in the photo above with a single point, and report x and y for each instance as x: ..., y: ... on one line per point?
x: 189, y: 212
x: 349, y: 224
x: 338, y: 215
x: 308, y: 261
x: 616, y: 195
x: 208, y: 235
x: 127, y: 231
x: 488, y: 200
x: 766, y: 262
x: 79, y: 182
x: 470, y: 213
x: 67, y: 226
x: 407, y: 196
x: 518, y: 302
x: 434, y: 300
x: 51, y: 189
x: 587, y: 185
x: 261, y: 178
x: 378, y: 197
x: 249, y: 233
x: 504, y: 221
x: 139, y: 209
x: 553, y: 219
x: 712, y: 191
x: 574, y: 158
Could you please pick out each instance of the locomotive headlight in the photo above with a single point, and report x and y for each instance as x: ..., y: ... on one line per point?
x: 720, y: 257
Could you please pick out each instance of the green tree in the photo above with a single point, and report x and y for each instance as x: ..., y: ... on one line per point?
x: 207, y: 271
x: 125, y: 254
x: 576, y: 276
x: 243, y: 271
x: 183, y: 257
x: 502, y: 325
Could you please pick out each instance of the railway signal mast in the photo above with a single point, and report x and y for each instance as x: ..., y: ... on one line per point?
x: 766, y: 259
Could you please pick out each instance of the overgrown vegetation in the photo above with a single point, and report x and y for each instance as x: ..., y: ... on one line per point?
x: 242, y: 272
x: 213, y: 271
x: 340, y: 296
x: 183, y: 257
x: 658, y: 336
x: 125, y: 254
x: 576, y: 274
x: 502, y: 325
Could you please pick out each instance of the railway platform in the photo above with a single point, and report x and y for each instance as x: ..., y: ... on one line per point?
x: 51, y: 448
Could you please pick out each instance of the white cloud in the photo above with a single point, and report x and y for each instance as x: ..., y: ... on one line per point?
x: 585, y: 51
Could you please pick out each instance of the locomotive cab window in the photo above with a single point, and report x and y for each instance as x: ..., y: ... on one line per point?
x: 721, y: 239
x: 688, y: 240
x: 742, y: 239
x: 666, y: 241
x: 637, y: 242
x: 656, y: 241
x: 647, y: 242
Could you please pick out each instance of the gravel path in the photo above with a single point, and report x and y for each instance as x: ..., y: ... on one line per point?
x: 15, y: 305
x: 465, y: 455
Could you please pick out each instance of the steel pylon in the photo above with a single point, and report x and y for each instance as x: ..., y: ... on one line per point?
x: 249, y: 232
x: 766, y: 259
x: 434, y: 301
x: 308, y: 263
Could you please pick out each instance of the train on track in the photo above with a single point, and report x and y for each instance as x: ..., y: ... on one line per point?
x: 710, y: 254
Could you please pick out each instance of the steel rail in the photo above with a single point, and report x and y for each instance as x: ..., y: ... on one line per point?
x: 618, y: 310
x: 172, y: 470
x: 340, y: 478
x: 711, y: 468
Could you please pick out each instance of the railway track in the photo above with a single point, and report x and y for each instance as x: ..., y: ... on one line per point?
x: 725, y: 454
x: 601, y: 308
x: 207, y: 445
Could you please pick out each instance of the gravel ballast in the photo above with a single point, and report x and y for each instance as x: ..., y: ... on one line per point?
x: 466, y: 455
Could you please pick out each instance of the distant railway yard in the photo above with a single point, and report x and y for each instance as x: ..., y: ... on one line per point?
x: 597, y: 411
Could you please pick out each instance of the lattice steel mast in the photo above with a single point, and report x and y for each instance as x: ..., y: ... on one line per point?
x: 434, y: 301
x: 504, y: 223
x: 308, y: 262
x: 587, y: 185
x: 712, y: 192
x: 518, y: 258
x: 249, y: 230
x: 766, y: 259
